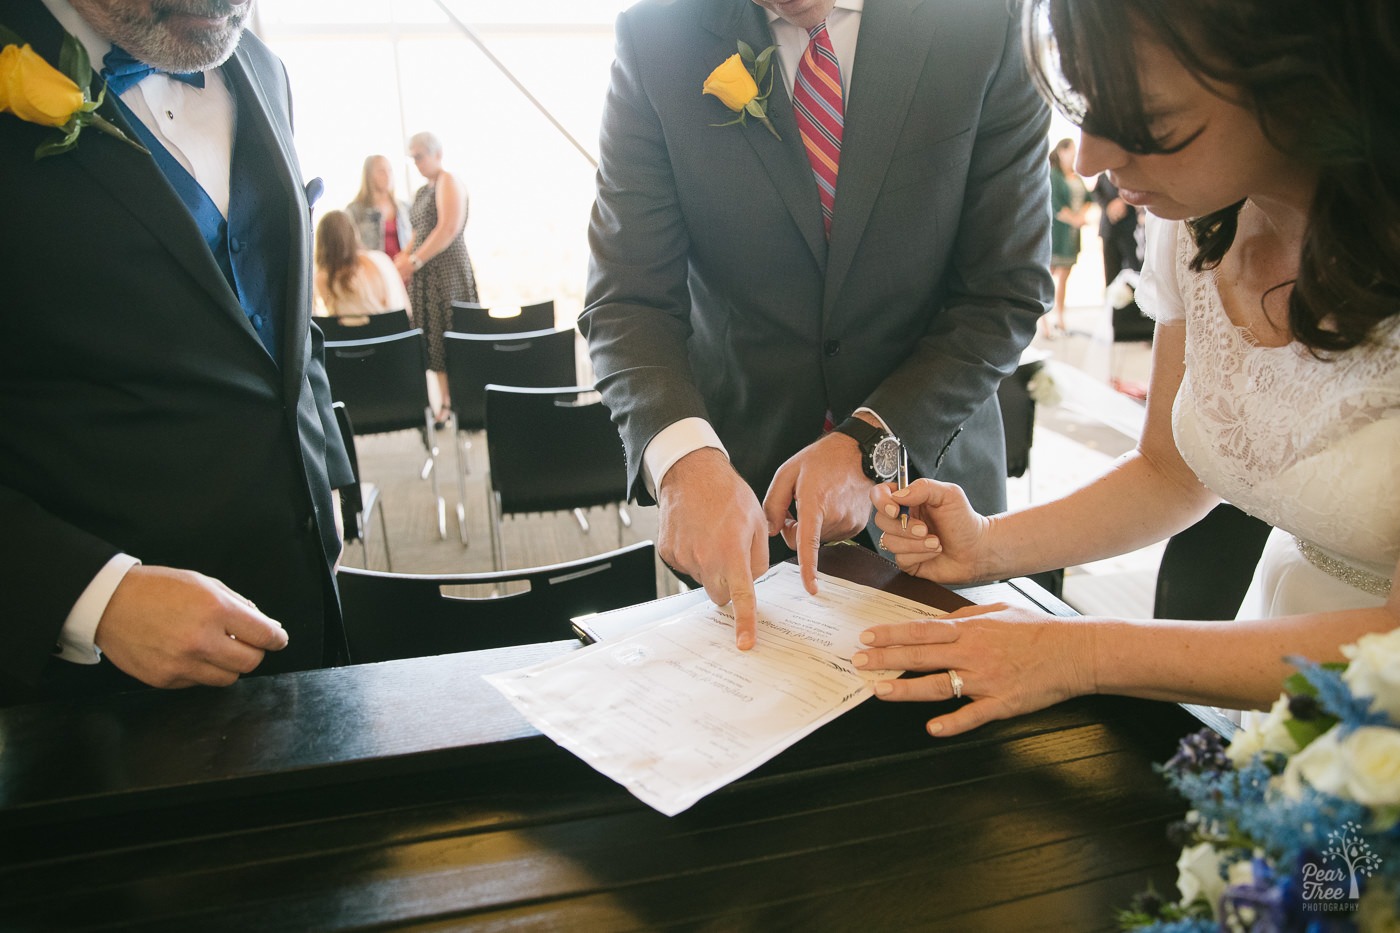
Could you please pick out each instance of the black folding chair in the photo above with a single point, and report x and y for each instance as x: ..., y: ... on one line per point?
x: 551, y: 449
x: 359, y: 500
x: 390, y: 616
x: 383, y: 383
x: 363, y: 327
x: 541, y: 358
x: 469, y: 318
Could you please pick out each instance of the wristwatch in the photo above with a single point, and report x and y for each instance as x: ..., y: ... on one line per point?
x: 879, y: 449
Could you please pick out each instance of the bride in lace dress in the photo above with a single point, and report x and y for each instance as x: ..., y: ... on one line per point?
x: 1262, y: 137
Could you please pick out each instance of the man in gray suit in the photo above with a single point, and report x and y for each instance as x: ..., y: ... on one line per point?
x: 727, y: 327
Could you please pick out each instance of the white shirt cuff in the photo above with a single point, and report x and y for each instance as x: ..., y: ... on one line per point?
x: 673, y: 442
x: 871, y: 411
x: 76, y: 639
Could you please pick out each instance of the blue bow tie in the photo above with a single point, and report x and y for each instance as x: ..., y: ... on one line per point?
x: 121, y: 71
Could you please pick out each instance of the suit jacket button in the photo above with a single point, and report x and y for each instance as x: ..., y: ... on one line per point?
x: 831, y: 347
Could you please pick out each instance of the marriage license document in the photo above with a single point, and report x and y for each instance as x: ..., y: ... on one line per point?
x: 673, y: 711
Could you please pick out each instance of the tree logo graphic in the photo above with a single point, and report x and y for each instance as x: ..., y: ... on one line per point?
x: 1333, y: 884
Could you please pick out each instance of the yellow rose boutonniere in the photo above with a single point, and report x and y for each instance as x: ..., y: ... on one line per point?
x: 736, y: 83
x: 37, y: 92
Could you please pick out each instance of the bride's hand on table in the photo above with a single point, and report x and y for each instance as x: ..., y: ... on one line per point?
x: 1008, y: 661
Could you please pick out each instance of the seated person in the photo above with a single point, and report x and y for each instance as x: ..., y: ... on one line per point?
x: 353, y: 282
x: 1273, y: 271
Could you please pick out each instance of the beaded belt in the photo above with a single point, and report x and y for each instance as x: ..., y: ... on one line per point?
x: 1363, y: 580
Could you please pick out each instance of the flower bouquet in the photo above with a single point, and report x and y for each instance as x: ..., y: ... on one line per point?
x: 1296, y: 824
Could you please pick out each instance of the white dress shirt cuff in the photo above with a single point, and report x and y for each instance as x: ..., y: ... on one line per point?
x: 673, y: 442
x: 76, y: 639
x: 873, y: 413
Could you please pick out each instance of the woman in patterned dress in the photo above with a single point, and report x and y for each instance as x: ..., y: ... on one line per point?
x: 435, y: 264
x: 1261, y: 136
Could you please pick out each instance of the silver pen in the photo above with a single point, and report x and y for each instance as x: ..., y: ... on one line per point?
x: 902, y: 482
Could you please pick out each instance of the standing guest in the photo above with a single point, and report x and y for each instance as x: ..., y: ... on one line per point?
x: 876, y: 259
x: 435, y: 263
x: 381, y: 219
x: 1261, y: 137
x: 1069, y: 209
x: 167, y: 444
x: 351, y: 281
x: 1120, y: 234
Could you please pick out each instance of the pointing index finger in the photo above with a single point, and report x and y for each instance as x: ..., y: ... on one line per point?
x: 745, y: 613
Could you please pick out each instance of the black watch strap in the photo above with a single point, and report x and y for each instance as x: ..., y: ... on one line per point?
x: 867, y: 435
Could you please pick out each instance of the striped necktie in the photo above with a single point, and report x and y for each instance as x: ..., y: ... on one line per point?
x: 816, y: 96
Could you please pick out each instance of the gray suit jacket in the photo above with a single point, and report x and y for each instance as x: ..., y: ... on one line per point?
x: 713, y: 292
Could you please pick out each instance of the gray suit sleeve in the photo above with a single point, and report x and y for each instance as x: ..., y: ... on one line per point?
x: 999, y: 283
x: 636, y: 314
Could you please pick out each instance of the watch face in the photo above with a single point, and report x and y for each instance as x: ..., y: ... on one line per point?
x: 885, y: 457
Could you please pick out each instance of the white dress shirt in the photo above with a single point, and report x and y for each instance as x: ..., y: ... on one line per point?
x: 196, y: 125
x: 676, y: 440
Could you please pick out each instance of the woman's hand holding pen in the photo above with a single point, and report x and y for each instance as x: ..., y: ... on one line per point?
x: 945, y: 539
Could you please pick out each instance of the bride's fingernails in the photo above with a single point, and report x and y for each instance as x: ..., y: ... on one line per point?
x: 899, y: 493
x: 883, y: 688
x: 933, y: 544
x: 860, y: 659
x: 892, y: 511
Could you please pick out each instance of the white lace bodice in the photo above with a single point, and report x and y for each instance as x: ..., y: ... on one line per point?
x: 1309, y: 446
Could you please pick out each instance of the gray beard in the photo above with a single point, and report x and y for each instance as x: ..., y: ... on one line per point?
x: 153, y: 42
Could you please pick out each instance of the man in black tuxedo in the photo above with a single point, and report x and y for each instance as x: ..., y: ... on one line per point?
x: 167, y: 445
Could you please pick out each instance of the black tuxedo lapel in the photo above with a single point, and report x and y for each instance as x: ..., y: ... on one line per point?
x: 253, y: 101
x: 890, y: 56
x: 128, y: 175
x: 785, y: 160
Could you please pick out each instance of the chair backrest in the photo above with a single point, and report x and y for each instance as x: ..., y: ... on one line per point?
x: 550, y: 449
x: 1018, y: 418
x: 468, y: 318
x: 1206, y: 569
x: 381, y: 380
x: 363, y: 327
x: 351, y: 499
x: 541, y: 358
x: 393, y: 615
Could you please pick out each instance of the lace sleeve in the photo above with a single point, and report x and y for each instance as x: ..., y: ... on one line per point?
x: 1159, y: 289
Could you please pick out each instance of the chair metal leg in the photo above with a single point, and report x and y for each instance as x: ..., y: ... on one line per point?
x: 430, y: 471
x: 493, y: 502
x: 623, y: 515
x: 383, y: 533
x: 457, y: 446
x: 582, y: 520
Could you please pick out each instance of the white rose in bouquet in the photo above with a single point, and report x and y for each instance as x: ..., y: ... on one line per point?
x: 1198, y: 869
x: 1371, y: 758
x: 1319, y: 765
x: 1374, y: 671
x: 1263, y: 734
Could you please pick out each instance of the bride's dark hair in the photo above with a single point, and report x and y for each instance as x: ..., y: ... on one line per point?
x: 1323, y: 80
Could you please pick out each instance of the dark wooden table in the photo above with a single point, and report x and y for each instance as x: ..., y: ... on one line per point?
x: 411, y: 793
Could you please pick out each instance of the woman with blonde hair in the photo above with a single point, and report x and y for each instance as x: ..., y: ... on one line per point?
x: 381, y: 218
x: 352, y: 281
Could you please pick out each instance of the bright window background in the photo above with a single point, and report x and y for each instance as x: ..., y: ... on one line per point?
x: 367, y: 74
